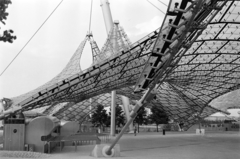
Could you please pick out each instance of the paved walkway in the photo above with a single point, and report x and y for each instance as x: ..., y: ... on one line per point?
x: 174, y: 145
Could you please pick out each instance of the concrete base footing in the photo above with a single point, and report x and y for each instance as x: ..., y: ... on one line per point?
x: 100, y: 151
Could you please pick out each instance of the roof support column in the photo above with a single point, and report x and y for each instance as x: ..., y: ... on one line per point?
x: 109, y: 25
x: 113, y: 114
x: 126, y: 104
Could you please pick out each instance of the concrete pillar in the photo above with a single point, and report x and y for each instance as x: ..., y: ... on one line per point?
x: 113, y: 113
x: 90, y: 108
x: 126, y: 104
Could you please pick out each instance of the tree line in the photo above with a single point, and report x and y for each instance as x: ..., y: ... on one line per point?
x: 101, y: 119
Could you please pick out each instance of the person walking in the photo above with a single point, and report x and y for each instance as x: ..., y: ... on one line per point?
x: 135, y: 130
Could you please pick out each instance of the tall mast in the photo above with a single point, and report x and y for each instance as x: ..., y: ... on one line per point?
x: 109, y: 25
x: 107, y: 15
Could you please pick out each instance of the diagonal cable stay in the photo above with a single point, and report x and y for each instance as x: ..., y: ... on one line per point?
x: 31, y: 38
x: 155, y: 7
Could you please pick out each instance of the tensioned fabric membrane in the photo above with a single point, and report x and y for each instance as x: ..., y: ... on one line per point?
x: 206, y: 66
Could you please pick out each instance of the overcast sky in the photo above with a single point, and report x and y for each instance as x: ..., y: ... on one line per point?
x: 52, y: 47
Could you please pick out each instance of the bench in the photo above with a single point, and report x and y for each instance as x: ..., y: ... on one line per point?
x: 75, y: 138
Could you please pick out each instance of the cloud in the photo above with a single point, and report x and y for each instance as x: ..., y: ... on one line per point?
x: 148, y: 26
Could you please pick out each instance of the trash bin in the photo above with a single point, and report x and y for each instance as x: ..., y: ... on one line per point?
x: 163, y: 131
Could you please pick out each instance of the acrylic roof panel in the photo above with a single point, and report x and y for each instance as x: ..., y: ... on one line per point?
x: 181, y: 106
x: 68, y: 110
x: 77, y: 112
x: 211, y: 67
x: 208, y: 69
x: 113, y: 73
x: 71, y: 68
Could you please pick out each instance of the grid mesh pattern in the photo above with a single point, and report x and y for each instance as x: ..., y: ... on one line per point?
x: 77, y: 112
x: 71, y: 68
x: 67, y: 111
x: 198, y: 73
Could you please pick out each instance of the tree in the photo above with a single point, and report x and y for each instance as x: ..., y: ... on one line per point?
x: 158, y: 116
x: 99, y: 117
x: 119, y: 116
x: 141, y: 118
x: 120, y: 119
x: 7, y: 34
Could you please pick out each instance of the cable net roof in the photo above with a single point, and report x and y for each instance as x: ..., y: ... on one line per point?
x: 206, y: 66
x: 71, y: 68
x: 68, y: 111
x: 78, y: 112
x: 211, y: 67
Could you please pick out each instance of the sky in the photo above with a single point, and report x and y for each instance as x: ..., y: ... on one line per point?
x: 52, y: 47
x: 54, y: 44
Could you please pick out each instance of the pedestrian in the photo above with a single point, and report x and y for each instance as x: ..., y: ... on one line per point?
x: 135, y: 131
